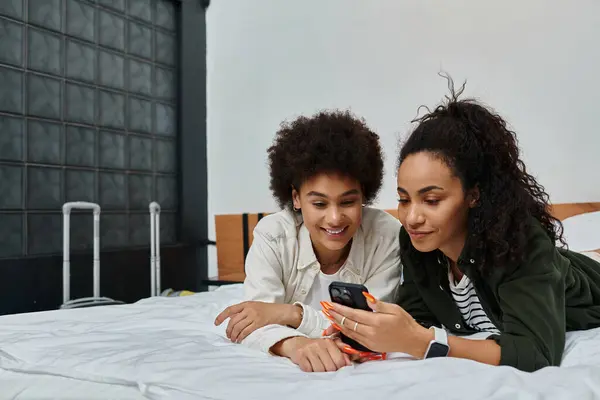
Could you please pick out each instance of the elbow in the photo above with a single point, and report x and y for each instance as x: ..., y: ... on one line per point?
x: 525, y: 355
x: 523, y: 363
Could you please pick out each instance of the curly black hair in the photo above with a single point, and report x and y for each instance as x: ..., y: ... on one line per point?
x: 481, y: 151
x: 329, y: 141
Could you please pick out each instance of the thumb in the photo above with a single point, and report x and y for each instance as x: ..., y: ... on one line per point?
x: 380, y: 306
x: 347, y: 359
x: 329, y: 331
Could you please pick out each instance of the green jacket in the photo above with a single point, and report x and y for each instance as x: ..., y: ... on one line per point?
x: 532, y: 304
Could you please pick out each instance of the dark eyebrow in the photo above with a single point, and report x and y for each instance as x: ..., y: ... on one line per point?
x: 349, y: 192
x: 421, y: 191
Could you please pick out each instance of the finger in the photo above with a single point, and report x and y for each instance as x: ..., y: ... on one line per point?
x: 382, y: 307
x: 305, y: 365
x: 330, y: 331
x: 247, y: 331
x: 333, y: 324
x: 375, y: 357
x: 360, y: 316
x: 376, y: 305
x: 347, y: 360
x: 228, y: 312
x: 238, y: 328
x: 349, y: 324
x: 361, y: 335
x: 233, y: 321
x: 315, y: 362
x: 347, y: 349
x: 370, y: 298
x: 352, y: 352
x: 340, y: 345
x: 327, y: 358
x: 337, y: 357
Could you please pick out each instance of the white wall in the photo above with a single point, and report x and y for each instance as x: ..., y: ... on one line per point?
x: 535, y: 61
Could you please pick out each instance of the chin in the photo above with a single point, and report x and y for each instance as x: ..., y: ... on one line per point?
x: 424, y: 247
x: 335, y: 246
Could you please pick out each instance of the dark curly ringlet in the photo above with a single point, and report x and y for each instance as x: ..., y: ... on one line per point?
x: 478, y: 147
x: 327, y: 142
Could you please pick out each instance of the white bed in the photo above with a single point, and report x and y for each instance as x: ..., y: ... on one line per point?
x: 168, y: 348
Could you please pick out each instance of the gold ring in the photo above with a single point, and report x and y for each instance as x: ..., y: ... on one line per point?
x: 343, y: 319
x: 355, y: 326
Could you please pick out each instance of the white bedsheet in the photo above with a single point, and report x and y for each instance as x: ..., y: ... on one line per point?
x: 168, y: 348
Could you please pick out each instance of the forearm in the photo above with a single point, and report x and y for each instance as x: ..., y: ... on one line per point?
x: 483, y: 351
x: 279, y: 348
x: 292, y: 316
x: 285, y: 347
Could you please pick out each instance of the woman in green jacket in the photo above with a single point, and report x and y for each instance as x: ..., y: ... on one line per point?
x: 479, y: 253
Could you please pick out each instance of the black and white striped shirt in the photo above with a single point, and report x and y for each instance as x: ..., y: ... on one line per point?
x: 468, y: 304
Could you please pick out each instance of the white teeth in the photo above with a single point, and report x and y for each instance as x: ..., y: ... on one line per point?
x: 332, y: 232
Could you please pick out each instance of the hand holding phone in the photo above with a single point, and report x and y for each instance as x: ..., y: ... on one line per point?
x: 350, y: 295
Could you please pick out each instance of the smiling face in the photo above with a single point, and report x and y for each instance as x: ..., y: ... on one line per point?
x: 432, y: 205
x: 331, y: 207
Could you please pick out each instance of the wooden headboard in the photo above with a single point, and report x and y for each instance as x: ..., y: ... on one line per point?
x: 234, y: 236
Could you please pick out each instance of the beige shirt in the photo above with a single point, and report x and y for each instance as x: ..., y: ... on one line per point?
x: 281, y: 267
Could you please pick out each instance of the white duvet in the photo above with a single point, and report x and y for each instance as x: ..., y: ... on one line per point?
x: 168, y: 348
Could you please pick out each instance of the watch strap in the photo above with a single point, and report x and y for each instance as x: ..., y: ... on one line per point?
x: 439, y: 346
x: 440, y: 335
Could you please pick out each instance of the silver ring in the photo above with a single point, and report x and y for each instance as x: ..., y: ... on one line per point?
x: 355, y: 326
x: 343, y: 319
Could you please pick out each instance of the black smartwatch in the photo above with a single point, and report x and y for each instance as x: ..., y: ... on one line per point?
x: 438, y: 347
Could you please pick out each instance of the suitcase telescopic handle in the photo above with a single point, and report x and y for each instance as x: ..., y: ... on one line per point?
x: 66, y: 210
x: 155, y: 273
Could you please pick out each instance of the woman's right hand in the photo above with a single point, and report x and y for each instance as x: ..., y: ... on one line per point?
x: 313, y: 355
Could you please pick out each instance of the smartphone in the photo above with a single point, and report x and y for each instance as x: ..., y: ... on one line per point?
x: 350, y: 295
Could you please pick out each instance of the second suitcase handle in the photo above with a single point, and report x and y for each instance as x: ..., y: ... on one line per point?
x: 66, y: 209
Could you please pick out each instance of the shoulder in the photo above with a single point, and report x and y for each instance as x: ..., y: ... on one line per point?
x: 539, y: 243
x: 282, y: 224
x: 542, y: 256
x: 537, y: 239
x: 378, y: 225
x: 545, y: 256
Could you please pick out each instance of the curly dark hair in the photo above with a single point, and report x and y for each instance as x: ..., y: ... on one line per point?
x: 481, y: 151
x: 329, y: 141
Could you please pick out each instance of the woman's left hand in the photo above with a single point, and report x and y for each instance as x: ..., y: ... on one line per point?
x: 248, y: 316
x: 389, y: 329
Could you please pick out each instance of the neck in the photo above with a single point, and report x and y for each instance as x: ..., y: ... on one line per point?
x: 453, y: 249
x: 331, y: 258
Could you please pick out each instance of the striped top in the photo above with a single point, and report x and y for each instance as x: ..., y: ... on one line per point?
x: 468, y: 304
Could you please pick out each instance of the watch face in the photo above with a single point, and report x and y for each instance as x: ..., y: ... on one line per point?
x: 437, y: 350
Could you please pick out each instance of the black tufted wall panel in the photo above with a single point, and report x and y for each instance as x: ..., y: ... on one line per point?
x: 87, y: 112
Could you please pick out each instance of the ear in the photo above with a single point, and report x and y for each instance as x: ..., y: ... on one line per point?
x: 296, y: 198
x: 473, y: 196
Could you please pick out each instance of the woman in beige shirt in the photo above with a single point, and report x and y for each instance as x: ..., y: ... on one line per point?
x: 325, y: 171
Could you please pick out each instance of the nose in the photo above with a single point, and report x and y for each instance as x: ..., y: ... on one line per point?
x: 334, y: 216
x: 414, y: 217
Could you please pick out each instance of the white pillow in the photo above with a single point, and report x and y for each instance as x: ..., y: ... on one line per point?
x: 582, y: 232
